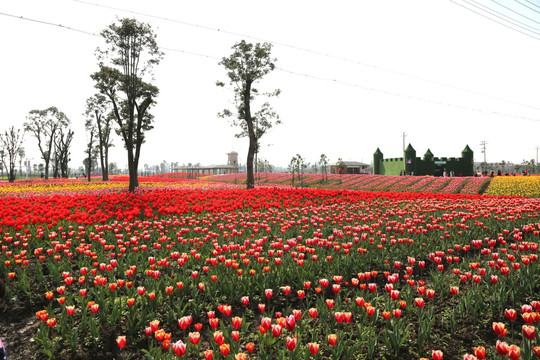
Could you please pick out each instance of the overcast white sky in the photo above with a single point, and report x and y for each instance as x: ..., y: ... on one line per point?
x: 431, y: 68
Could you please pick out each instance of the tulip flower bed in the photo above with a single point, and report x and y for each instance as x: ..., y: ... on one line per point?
x: 455, y: 185
x: 515, y: 185
x: 270, y: 273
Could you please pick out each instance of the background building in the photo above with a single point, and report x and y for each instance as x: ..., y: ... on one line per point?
x: 350, y: 167
x: 409, y: 164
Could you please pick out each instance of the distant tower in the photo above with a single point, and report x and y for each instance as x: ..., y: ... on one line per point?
x: 232, y: 158
x: 409, y: 156
x: 429, y: 163
x: 467, y: 156
x: 377, y: 159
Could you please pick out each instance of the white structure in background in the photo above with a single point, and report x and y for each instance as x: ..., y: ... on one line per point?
x: 230, y: 168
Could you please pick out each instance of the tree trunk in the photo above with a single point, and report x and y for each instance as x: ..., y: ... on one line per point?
x: 250, y: 181
x: 46, y: 169
x: 132, y: 167
x: 249, y: 165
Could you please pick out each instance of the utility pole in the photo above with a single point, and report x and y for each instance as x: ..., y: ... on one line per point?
x: 483, y: 145
x: 404, y: 134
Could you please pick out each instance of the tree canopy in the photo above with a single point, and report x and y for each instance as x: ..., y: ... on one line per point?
x: 248, y: 64
x: 45, y: 125
x: 125, y: 63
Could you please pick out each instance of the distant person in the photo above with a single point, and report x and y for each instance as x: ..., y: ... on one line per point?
x: 3, y: 353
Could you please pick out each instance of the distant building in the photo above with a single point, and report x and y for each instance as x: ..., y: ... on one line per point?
x: 350, y: 167
x: 409, y: 164
x: 230, y: 168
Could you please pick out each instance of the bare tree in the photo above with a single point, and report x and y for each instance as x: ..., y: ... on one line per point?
x: 62, y: 143
x: 10, y: 144
x: 22, y: 154
x: 89, y: 151
x: 98, y: 114
x: 44, y: 124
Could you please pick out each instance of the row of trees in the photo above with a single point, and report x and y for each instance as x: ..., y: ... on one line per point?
x: 298, y: 166
x: 125, y: 96
x: 11, y: 148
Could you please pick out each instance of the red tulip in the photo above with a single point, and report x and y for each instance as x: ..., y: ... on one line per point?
x: 179, y: 348
x: 51, y: 322
x: 313, y: 348
x: 224, y: 349
x: 154, y: 325
x: 529, y: 332
x: 237, y: 322
x: 121, y: 341
x: 419, y: 302
x: 511, y: 314
x: 480, y: 352
x: 194, y: 337
x: 94, y: 308
x: 332, y: 339
x: 499, y: 328
x: 502, y: 348
x: 266, y: 322
x: 514, y: 352
x: 208, y: 354
x: 437, y: 355
x: 330, y: 303
x: 276, y: 330
x: 291, y: 343
x: 290, y: 322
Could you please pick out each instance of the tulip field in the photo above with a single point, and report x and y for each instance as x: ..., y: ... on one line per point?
x: 455, y: 185
x: 194, y: 269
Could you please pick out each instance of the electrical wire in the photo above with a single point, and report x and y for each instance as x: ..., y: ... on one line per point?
x: 387, y: 92
x: 530, y: 2
x: 516, y: 12
x: 504, y: 17
x: 48, y: 23
x: 314, y: 52
x: 498, y: 22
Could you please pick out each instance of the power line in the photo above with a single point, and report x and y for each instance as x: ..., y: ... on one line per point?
x: 314, y: 52
x: 48, y: 23
x: 498, y: 22
x: 515, y: 12
x: 382, y: 91
x: 502, y: 16
x: 527, y: 6
x: 388, y: 92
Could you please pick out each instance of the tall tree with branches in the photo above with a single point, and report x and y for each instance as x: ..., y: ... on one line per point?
x: 44, y: 124
x: 10, y: 144
x: 98, y: 116
x: 130, y: 56
x: 247, y: 65
x: 62, y: 143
